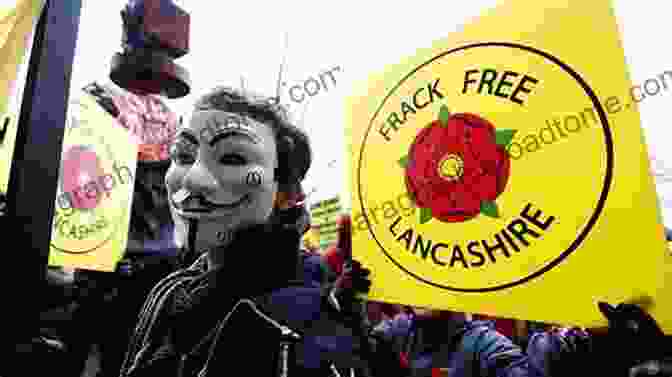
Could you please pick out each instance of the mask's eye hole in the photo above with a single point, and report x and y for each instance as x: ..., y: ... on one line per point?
x: 232, y: 159
x: 182, y: 155
x: 183, y: 158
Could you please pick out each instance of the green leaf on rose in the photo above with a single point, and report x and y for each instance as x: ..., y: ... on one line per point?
x: 425, y: 215
x: 489, y: 209
x: 403, y: 161
x: 504, y: 137
x: 444, y: 114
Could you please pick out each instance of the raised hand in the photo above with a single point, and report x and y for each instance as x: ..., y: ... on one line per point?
x: 353, y: 280
x: 634, y: 336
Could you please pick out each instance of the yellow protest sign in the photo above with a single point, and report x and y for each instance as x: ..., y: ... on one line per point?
x: 95, y: 189
x: 16, y: 24
x: 324, y: 214
x: 533, y: 193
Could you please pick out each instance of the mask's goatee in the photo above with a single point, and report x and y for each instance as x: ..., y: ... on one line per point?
x: 180, y: 196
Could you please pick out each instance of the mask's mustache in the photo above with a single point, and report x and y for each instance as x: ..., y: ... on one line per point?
x: 180, y: 196
x: 184, y: 195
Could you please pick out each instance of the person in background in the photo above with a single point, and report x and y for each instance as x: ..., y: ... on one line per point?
x: 444, y: 343
x: 379, y: 311
x: 293, y: 210
x: 339, y: 252
x: 505, y: 326
x: 438, y: 342
x: 151, y: 253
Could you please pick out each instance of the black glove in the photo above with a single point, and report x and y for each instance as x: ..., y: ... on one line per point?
x: 633, y: 337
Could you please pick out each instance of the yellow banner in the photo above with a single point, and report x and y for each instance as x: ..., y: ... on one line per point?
x: 524, y: 157
x: 16, y: 25
x: 95, y: 189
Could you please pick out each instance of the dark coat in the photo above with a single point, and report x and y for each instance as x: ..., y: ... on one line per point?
x: 476, y: 349
x: 200, y: 319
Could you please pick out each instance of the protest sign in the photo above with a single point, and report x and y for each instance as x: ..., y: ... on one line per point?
x: 95, y: 189
x: 16, y: 25
x: 498, y: 230
x: 324, y: 214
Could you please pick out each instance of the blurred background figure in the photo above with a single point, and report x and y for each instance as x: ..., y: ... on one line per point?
x: 340, y: 252
x: 107, y: 304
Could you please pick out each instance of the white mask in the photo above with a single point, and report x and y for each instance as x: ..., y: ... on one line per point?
x: 221, y: 178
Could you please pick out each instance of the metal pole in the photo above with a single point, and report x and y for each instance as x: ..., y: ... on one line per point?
x: 33, y: 179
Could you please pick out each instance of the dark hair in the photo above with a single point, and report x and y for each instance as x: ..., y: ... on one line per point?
x: 293, y: 147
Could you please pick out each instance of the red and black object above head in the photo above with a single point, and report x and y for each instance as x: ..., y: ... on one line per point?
x: 144, y: 117
x: 155, y: 32
x: 150, y: 122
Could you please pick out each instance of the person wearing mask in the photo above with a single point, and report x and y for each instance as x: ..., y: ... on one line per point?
x: 244, y: 304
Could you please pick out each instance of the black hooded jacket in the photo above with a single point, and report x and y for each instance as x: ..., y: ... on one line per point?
x: 221, y: 320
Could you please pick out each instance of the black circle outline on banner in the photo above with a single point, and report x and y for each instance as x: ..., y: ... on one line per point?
x: 115, y: 229
x: 103, y: 242
x: 601, y: 201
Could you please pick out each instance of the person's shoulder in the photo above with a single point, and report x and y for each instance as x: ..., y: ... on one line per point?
x: 298, y: 306
x: 478, y: 326
x: 559, y: 339
x: 483, y: 336
x: 397, y: 326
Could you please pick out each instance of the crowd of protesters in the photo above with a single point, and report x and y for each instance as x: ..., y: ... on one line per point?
x: 159, y: 312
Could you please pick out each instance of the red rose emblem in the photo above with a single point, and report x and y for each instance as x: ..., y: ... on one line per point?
x: 81, y: 169
x: 457, y: 167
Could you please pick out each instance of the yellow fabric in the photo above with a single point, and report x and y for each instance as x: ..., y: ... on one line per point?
x: 16, y: 25
x: 586, y: 192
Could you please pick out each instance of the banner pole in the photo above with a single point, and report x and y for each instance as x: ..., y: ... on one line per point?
x: 34, y: 174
